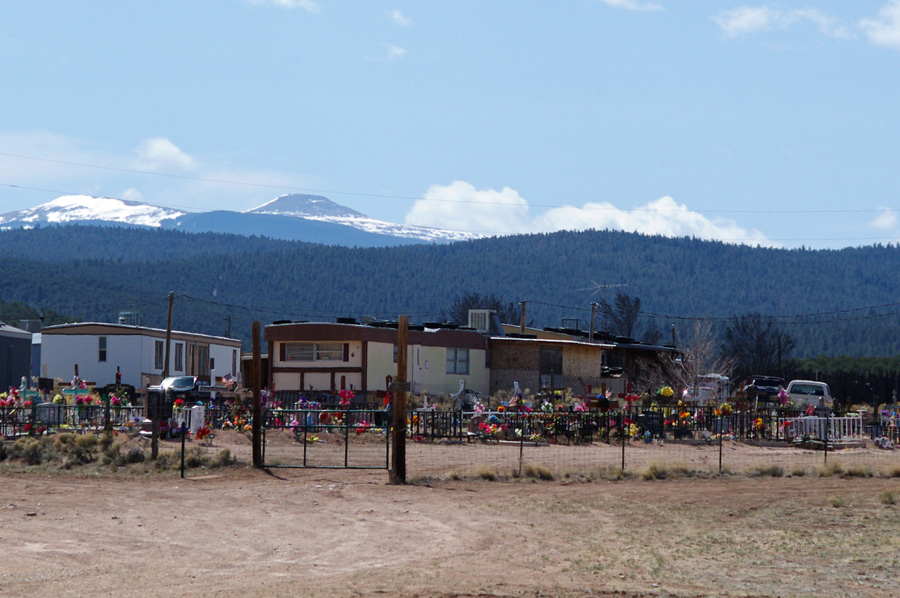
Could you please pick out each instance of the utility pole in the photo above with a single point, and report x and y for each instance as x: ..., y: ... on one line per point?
x: 157, y: 407
x: 228, y: 329
x: 522, y: 318
x: 591, y: 333
x: 165, y: 373
x: 257, y: 406
x: 398, y: 405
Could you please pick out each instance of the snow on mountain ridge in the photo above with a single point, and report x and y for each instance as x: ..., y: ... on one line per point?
x: 316, y: 207
x: 81, y: 208
x: 304, y: 206
x: 71, y: 208
x: 409, y: 231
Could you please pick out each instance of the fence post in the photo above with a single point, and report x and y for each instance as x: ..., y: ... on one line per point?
x: 623, y: 439
x: 521, y: 448
x: 721, y: 433
x: 183, y: 436
x: 347, y: 437
x: 827, y: 434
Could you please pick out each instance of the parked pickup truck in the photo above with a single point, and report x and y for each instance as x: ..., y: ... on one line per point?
x: 803, y: 393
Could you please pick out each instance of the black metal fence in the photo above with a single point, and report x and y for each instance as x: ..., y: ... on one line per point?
x: 364, y: 435
x: 40, y: 418
x: 298, y: 399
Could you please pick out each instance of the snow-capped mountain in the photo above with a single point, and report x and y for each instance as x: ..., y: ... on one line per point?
x: 305, y: 206
x: 315, y: 207
x: 81, y: 208
x: 293, y: 217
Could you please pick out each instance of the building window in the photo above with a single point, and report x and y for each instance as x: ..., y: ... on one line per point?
x: 101, y: 343
x: 158, y: 355
x: 203, y: 359
x: 313, y: 352
x: 179, y: 357
x: 234, y: 362
x: 457, y: 361
x: 396, y: 350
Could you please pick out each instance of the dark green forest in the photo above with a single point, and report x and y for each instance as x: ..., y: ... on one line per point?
x: 832, y: 302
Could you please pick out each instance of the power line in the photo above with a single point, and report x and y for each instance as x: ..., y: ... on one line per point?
x: 278, y: 311
x: 413, y: 198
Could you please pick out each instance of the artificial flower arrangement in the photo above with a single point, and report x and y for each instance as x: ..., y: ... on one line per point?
x: 346, y: 397
x: 202, y: 432
x: 724, y: 409
x: 783, y: 398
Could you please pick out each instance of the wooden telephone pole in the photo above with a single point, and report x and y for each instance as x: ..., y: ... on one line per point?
x: 398, y: 405
x: 156, y: 405
x: 257, y: 406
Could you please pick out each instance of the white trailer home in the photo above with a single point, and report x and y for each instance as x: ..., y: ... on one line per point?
x: 99, y: 350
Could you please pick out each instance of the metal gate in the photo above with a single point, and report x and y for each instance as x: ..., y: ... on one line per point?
x: 327, y: 438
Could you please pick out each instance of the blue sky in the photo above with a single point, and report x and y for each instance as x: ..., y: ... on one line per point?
x: 774, y: 123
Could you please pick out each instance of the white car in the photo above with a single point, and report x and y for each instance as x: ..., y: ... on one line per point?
x: 803, y: 393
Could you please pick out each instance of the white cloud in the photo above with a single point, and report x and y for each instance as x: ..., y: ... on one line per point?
x: 460, y: 206
x: 746, y: 20
x: 633, y: 5
x: 390, y: 54
x: 399, y: 19
x: 307, y: 5
x: 885, y: 29
x: 158, y: 153
x: 886, y: 219
x: 132, y: 194
x: 45, y: 165
x: 395, y: 52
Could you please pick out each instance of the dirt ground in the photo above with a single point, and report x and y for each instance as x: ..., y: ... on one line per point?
x: 290, y: 532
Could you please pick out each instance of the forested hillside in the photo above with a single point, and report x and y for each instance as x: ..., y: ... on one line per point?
x: 832, y: 302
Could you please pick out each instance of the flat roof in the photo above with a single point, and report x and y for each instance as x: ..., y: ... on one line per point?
x: 105, y: 328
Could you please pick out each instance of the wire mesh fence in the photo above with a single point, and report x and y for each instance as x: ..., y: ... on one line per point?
x: 653, y: 442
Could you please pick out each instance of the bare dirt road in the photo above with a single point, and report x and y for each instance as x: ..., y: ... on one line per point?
x: 241, y: 532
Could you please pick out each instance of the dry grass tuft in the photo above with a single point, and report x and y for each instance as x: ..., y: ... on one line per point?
x: 536, y: 470
x: 858, y: 471
x: 830, y: 470
x: 772, y: 471
x: 485, y: 472
x: 836, y: 501
x: 888, y: 498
